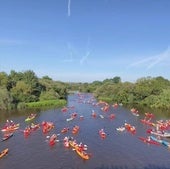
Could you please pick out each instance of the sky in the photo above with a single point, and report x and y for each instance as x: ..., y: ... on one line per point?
x: 86, y: 40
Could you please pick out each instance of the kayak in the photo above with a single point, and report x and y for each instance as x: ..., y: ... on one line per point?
x: 31, y: 117
x: 120, y: 128
x: 73, y: 144
x: 163, y: 142
x: 70, y: 119
x: 82, y: 154
x: 112, y: 116
x: 147, y: 122
x: 75, y: 129
x: 102, y: 134
x: 11, y: 128
x: 7, y: 136
x: 52, y: 140
x: 66, y: 144
x: 101, y: 116
x: 35, y: 126
x: 65, y: 130
x: 159, y: 133
x: 130, y: 128
x: 27, y: 131
x: 47, y: 127
x: 150, y: 141
x: 4, y: 152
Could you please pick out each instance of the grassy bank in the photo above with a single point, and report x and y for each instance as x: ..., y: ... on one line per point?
x: 106, y: 99
x: 46, y: 103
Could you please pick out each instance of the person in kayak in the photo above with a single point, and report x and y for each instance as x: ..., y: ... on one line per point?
x: 149, y: 138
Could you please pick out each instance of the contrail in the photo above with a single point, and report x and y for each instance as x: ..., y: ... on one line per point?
x: 70, y: 59
x: 154, y: 60
x: 82, y: 60
x: 160, y: 58
x: 69, y: 12
x: 84, y: 57
x: 142, y: 61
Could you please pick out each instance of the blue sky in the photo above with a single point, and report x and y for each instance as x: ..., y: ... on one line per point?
x: 86, y: 40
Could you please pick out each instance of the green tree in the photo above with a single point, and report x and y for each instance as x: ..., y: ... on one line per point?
x: 3, y: 79
x: 5, y: 99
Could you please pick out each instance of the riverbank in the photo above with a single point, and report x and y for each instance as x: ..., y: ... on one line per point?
x: 46, y: 103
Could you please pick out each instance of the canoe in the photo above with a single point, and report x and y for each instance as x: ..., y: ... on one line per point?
x: 4, y: 152
x: 6, y: 137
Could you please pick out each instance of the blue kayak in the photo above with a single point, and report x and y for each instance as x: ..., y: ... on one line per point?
x: 163, y: 142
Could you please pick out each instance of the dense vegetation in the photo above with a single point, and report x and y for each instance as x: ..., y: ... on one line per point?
x: 20, y: 88
x: 149, y: 92
x: 25, y: 89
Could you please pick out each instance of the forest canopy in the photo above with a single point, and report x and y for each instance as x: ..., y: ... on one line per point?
x: 18, y: 89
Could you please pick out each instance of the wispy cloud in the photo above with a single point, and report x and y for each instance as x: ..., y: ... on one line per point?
x: 153, y: 61
x: 71, y: 51
x: 160, y: 58
x: 69, y: 11
x: 10, y: 42
x: 75, y: 55
x: 84, y: 58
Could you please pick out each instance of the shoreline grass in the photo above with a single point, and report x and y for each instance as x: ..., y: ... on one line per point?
x: 46, y: 103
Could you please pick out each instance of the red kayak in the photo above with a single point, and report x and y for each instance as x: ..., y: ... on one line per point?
x: 147, y: 140
x: 7, y: 136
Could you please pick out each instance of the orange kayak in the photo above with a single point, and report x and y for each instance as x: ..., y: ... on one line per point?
x: 4, y: 152
x: 75, y: 129
x: 11, y: 128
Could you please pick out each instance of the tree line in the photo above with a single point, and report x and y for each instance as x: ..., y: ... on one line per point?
x: 151, y: 92
x: 19, y: 88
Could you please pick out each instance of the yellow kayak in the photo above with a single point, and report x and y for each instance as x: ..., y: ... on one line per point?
x: 82, y: 154
x: 31, y: 117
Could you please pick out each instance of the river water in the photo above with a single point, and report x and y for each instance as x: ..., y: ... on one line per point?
x: 118, y: 151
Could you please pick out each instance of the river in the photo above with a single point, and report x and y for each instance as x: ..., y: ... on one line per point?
x: 119, y: 150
